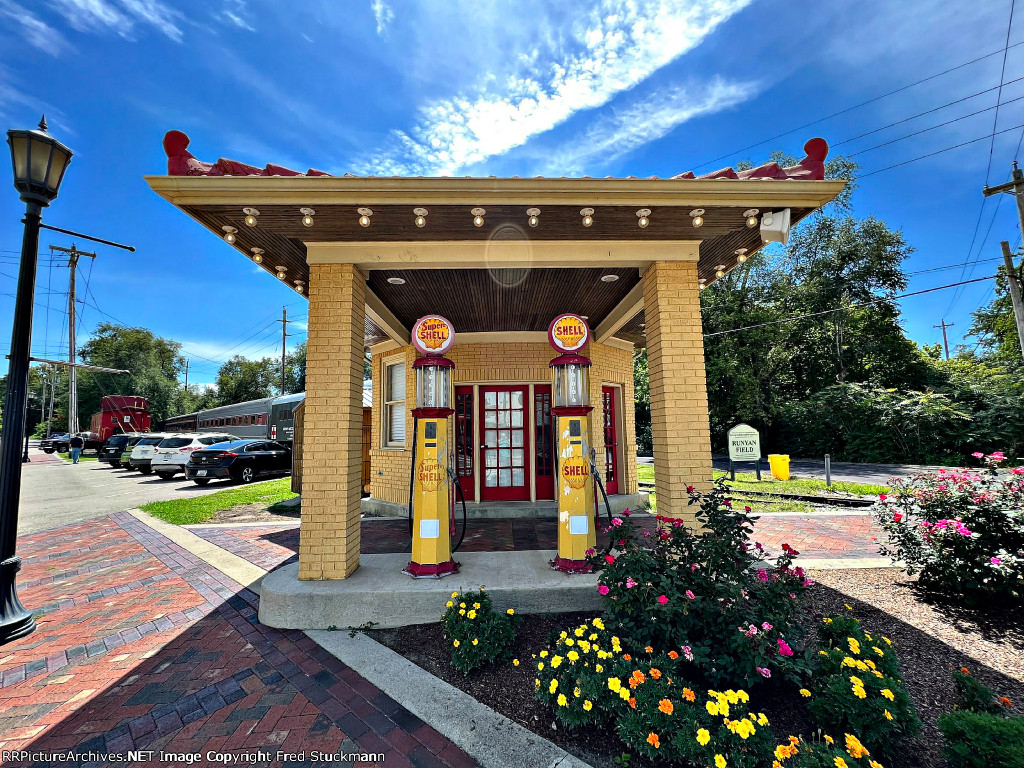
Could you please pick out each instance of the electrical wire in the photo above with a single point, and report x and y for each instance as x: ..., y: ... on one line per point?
x: 999, y: 96
x: 937, y: 152
x: 791, y: 318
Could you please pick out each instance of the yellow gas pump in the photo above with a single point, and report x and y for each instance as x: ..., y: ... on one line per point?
x: 431, y: 501
x: 574, y: 488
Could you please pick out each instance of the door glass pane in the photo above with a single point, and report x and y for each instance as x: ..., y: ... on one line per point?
x: 490, y: 399
x: 517, y: 438
x: 517, y: 399
x: 503, y: 399
x: 490, y: 419
x: 505, y: 478
x: 505, y: 457
x: 517, y: 418
x: 491, y: 437
x: 517, y: 457
x: 490, y: 458
x: 491, y: 478
x: 518, y: 477
x: 503, y: 438
x: 503, y: 420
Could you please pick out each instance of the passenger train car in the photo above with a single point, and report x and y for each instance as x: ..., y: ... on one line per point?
x: 269, y: 418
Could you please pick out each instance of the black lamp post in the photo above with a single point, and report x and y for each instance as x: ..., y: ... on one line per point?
x: 25, y: 459
x: 39, y: 163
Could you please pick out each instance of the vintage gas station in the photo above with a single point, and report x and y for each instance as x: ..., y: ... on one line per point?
x: 500, y: 316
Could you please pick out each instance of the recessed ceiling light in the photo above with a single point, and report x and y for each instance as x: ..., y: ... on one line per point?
x: 751, y: 216
x: 588, y: 216
x: 250, y: 216
x: 741, y: 255
x: 532, y: 215
x: 257, y: 255
x: 307, y: 216
x: 364, y: 215
x: 478, y: 216
x: 229, y: 233
x: 609, y: 278
x: 643, y: 217
x: 421, y: 217
x: 396, y: 280
x: 281, y: 271
x: 697, y: 214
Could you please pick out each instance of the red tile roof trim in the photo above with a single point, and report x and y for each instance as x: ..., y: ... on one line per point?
x: 181, y: 162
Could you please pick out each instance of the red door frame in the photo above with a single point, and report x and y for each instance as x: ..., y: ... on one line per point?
x: 508, y: 493
x: 610, y: 429
x: 465, y: 421
x: 545, y: 483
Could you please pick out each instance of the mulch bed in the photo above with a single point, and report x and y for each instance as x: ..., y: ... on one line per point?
x: 931, y: 636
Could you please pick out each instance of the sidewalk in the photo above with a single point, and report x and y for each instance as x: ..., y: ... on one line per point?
x: 141, y: 645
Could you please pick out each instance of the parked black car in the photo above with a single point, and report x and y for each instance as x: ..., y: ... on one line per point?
x: 240, y: 460
x: 118, y: 444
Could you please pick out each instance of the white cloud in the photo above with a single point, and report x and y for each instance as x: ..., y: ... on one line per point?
x: 383, y: 14
x: 88, y: 15
x: 236, y: 12
x: 606, y: 52
x: 37, y: 32
x: 642, y: 121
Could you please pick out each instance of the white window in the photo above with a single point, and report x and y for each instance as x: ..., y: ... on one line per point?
x: 394, y: 405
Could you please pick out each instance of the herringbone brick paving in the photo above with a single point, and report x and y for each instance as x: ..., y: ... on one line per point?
x: 141, y: 645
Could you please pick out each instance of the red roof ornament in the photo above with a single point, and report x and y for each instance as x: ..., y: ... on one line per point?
x: 181, y: 162
x: 811, y: 168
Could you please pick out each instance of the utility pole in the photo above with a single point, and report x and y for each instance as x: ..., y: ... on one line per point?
x: 284, y: 344
x: 73, y: 255
x: 186, y: 374
x: 945, y: 342
x: 1014, y: 187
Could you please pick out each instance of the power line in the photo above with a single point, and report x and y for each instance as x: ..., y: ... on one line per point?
x: 1002, y: 76
x: 861, y: 104
x: 937, y: 152
x: 791, y: 318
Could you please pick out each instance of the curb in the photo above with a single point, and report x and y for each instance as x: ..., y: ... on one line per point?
x: 485, y: 735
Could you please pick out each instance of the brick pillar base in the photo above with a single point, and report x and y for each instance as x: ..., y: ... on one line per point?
x: 332, y: 434
x: 679, y: 400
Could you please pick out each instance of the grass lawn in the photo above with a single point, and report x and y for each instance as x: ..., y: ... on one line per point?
x: 197, y: 509
x: 67, y: 457
x: 748, y: 481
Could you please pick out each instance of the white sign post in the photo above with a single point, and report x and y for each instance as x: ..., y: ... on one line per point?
x: 744, y: 445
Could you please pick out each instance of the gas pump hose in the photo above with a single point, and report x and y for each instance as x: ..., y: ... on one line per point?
x: 462, y: 498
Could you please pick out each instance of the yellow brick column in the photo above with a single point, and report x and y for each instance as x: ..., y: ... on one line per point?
x: 332, y: 449
x: 679, y: 400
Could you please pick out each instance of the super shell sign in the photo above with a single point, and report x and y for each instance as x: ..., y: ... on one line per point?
x: 568, y: 333
x: 433, y: 335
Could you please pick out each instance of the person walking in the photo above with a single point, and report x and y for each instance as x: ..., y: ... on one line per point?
x: 77, y: 444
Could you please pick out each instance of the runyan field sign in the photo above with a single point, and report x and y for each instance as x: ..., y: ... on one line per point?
x: 744, y: 445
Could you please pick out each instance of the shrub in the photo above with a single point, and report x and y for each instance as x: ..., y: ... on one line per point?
x: 478, y: 634
x: 708, y: 590
x: 824, y: 752
x: 857, y: 686
x: 982, y: 740
x: 976, y: 696
x: 962, y: 530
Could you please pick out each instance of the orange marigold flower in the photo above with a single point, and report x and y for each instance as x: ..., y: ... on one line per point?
x: 648, y: 649
x: 794, y: 741
x: 627, y: 657
x: 666, y: 706
x: 965, y: 670
x: 688, y: 694
x: 655, y: 673
x: 639, y: 676
x: 1005, y: 701
x: 632, y: 702
x: 653, y: 740
x: 673, y: 655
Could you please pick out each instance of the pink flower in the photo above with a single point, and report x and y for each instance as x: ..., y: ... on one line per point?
x: 766, y: 673
x: 689, y: 595
x: 995, y: 561
x: 897, y: 517
x: 626, y: 512
x: 662, y: 599
x: 882, y: 497
x: 978, y: 455
x: 647, y: 534
x: 688, y: 653
x: 784, y: 649
x: 766, y: 626
x: 630, y: 583
x: 792, y: 595
x: 762, y: 574
x: 616, y: 521
x: 603, y: 589
x: 609, y: 559
x: 591, y: 551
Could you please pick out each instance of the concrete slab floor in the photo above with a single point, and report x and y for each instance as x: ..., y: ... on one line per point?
x: 379, y: 592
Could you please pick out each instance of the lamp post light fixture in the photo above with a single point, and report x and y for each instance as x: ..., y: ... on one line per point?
x: 39, y: 162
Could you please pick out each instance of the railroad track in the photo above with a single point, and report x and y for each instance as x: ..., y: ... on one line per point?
x: 770, y: 497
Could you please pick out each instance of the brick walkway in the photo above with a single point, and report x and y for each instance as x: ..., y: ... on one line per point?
x: 814, y: 536
x: 141, y: 645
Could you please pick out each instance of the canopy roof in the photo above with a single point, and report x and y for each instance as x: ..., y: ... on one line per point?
x: 477, y: 241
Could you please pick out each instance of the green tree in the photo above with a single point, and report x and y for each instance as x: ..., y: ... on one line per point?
x: 240, y: 379
x: 995, y: 329
x: 642, y: 404
x: 295, y: 369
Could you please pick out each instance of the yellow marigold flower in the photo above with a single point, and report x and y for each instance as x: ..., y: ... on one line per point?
x: 556, y: 661
x: 511, y: 611
x: 563, y: 635
x: 462, y: 612
x: 598, y: 623
x: 848, y: 606
x: 781, y: 752
x: 540, y: 666
x: 580, y: 630
x: 553, y: 685
x: 587, y: 705
x: 624, y: 694
x: 840, y: 763
x: 614, y: 684
x: 829, y: 739
x: 867, y: 635
x: 875, y: 764
x: 859, y: 692
x: 743, y: 696
x: 515, y: 662
x: 887, y: 640
x: 569, y: 641
x: 449, y: 604
x: 665, y: 706
x: 703, y: 737
x: 762, y: 718
x: 573, y: 656
x: 877, y: 650
x: 720, y: 761
x: 454, y: 595
x: 827, y: 620
x: 471, y: 614
x: 576, y: 692
x: 776, y: 764
x: 592, y: 636
x: 712, y: 708
x: 462, y: 605
x: 854, y: 747
x: 823, y: 653
x: 477, y: 606
x: 456, y: 644
x: 475, y: 641
x: 536, y: 684
x: 543, y: 654
x: 805, y: 693
x: 584, y: 646
x: 888, y: 714
x: 793, y: 741
x: 598, y: 668
x: 562, y: 701
x: 876, y: 673
x: 888, y: 694
x: 856, y: 681
x: 854, y: 645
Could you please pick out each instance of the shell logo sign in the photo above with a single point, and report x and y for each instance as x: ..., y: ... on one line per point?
x: 433, y: 335
x: 568, y: 333
x: 430, y: 475
x: 575, y: 472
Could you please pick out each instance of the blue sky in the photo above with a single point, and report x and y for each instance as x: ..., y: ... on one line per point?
x: 485, y: 87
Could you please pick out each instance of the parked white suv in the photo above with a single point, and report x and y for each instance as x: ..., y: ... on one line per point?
x: 172, y: 453
x: 142, y: 453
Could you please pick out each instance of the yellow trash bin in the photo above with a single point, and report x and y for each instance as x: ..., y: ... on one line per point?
x: 779, y: 463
